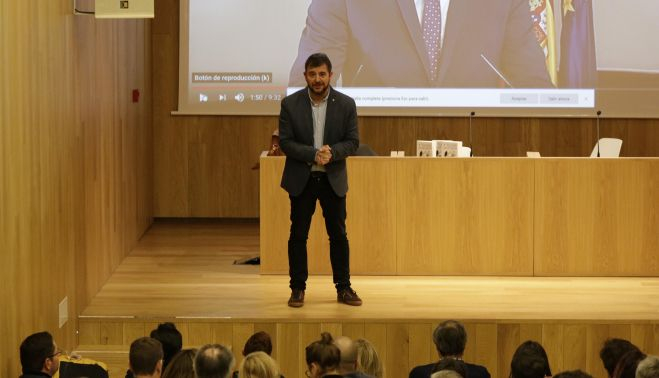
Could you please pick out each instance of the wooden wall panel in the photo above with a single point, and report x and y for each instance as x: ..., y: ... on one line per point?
x: 597, y: 217
x: 75, y: 163
x: 402, y: 344
x: 202, y: 163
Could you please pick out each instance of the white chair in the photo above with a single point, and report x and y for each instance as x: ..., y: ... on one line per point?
x: 608, y: 147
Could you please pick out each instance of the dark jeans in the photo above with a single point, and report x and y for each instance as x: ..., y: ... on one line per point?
x: 334, y: 212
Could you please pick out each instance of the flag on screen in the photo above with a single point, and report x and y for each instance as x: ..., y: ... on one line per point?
x: 578, y: 67
x: 542, y: 15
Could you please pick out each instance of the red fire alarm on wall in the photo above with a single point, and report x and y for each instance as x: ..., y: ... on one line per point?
x: 136, y: 95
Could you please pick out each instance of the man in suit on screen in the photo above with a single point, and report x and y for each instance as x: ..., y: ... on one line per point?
x: 425, y: 43
x: 318, y: 131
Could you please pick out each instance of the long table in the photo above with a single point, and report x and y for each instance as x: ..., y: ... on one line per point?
x: 481, y: 216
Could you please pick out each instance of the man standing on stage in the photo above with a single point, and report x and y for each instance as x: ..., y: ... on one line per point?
x: 318, y: 131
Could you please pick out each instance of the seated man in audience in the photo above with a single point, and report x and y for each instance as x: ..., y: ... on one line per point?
x: 573, y: 374
x: 612, y: 351
x: 214, y: 361
x: 648, y: 368
x: 348, y: 364
x: 145, y: 358
x: 530, y: 361
x: 258, y: 342
x: 450, y: 339
x: 39, y: 356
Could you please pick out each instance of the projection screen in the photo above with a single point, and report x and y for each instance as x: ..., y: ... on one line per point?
x: 495, y: 57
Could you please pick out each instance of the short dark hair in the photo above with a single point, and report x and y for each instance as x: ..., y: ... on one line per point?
x: 35, y: 349
x: 324, y: 353
x: 144, y: 355
x: 452, y: 364
x: 612, y: 351
x: 213, y: 361
x: 530, y: 361
x: 450, y: 338
x: 573, y: 374
x: 258, y: 342
x: 317, y: 60
x: 171, y: 340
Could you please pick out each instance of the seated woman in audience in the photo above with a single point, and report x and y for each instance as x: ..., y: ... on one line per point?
x: 181, y: 365
x: 626, y: 367
x: 368, y: 361
x: 258, y: 365
x: 530, y: 361
x: 323, y: 358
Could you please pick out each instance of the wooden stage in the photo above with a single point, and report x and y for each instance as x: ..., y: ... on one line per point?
x: 183, y: 272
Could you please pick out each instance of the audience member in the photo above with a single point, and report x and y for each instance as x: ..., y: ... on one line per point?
x: 145, y: 358
x: 573, y: 374
x: 171, y: 340
x: 348, y: 364
x: 648, y: 368
x: 214, y: 361
x: 323, y: 357
x: 612, y: 351
x: 181, y: 365
x: 258, y: 342
x: 450, y: 339
x: 445, y: 374
x: 626, y: 367
x: 368, y: 361
x: 258, y: 365
x: 451, y: 364
x: 530, y: 361
x: 39, y: 355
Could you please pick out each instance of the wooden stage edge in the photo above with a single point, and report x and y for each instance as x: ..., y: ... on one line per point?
x: 183, y: 272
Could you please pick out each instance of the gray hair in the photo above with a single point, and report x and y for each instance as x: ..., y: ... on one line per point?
x: 648, y: 368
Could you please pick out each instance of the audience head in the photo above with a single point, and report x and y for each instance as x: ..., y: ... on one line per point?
x: 258, y: 342
x: 612, y: 351
x: 368, y: 361
x: 451, y: 364
x: 445, y: 374
x: 145, y: 357
x: 170, y: 338
x: 348, y: 354
x: 258, y: 365
x: 322, y: 356
x: 648, y: 368
x: 530, y: 361
x: 573, y: 374
x: 213, y: 361
x: 39, y: 354
x: 181, y: 365
x: 626, y: 366
x: 450, y: 338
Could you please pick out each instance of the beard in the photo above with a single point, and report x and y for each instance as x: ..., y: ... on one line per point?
x: 319, y: 89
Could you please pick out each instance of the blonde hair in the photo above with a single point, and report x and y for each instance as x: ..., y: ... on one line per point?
x: 368, y: 360
x: 258, y: 365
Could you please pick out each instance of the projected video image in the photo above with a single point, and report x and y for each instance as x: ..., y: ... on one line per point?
x: 392, y: 55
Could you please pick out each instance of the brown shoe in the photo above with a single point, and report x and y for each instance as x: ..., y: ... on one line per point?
x: 349, y: 297
x: 297, y: 298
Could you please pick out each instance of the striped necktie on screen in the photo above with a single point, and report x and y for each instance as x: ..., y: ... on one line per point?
x: 432, y: 29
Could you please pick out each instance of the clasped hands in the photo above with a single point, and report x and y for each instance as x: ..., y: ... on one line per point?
x: 323, y: 155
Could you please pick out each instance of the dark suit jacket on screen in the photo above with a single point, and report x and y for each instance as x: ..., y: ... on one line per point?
x: 296, y: 139
x: 379, y: 43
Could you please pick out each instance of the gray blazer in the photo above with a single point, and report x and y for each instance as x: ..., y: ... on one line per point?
x: 296, y: 139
